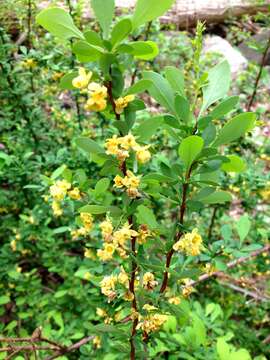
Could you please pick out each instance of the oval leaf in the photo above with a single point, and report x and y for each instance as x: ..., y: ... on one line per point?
x: 148, y: 10
x: 235, y: 128
x: 190, y: 148
x: 121, y: 31
x: 104, y: 11
x: 235, y: 164
x: 58, y: 22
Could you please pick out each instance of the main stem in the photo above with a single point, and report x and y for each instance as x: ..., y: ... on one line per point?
x: 179, y: 233
x: 123, y: 168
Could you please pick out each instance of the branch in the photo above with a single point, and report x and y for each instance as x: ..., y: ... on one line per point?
x: 246, y: 292
x: 231, y: 264
x: 71, y: 348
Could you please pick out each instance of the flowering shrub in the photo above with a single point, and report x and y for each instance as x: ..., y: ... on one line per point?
x: 143, y: 245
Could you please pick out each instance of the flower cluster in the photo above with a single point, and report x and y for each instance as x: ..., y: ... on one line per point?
x: 97, y: 93
x: 87, y: 225
x: 114, y: 241
x: 58, y: 192
x: 130, y: 182
x: 151, y: 322
x: 190, y: 243
x: 108, y: 285
x: 120, y: 147
x: 149, y: 282
x: 122, y: 103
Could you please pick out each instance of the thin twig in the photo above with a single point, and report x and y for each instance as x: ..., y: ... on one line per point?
x: 259, y: 75
x: 212, y: 222
x: 231, y: 265
x: 246, y: 292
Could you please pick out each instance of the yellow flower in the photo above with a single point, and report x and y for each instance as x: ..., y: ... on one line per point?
x: 149, y: 281
x: 118, y: 182
x: 152, y: 323
x: 59, y: 189
x: 75, y: 194
x: 106, y: 253
x: 123, y: 278
x: 187, y: 288
x: 97, y: 100
x: 57, y: 75
x: 106, y: 229
x: 82, y: 81
x: 128, y: 142
x: 57, y: 211
x: 176, y: 300
x: 112, y: 145
x: 13, y: 245
x: 101, y: 312
x: 128, y: 296
x: 87, y: 220
x: 143, y: 154
x: 131, y: 181
x: 87, y: 276
x: 75, y: 234
x: 149, y: 307
x: 265, y: 194
x: 122, y: 103
x: 97, y: 342
x: 29, y: 63
x: 121, y: 236
x: 143, y: 234
x: 190, y: 243
x: 88, y: 253
x: 107, y: 285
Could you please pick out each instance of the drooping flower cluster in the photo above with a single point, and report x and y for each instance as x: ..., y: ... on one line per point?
x: 108, y: 286
x: 58, y: 192
x: 130, y: 182
x: 114, y: 241
x: 120, y: 147
x: 149, y: 282
x: 190, y: 244
x: 97, y: 93
x: 151, y: 322
x: 122, y: 103
x: 87, y: 225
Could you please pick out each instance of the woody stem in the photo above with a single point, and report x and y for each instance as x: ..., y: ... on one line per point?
x: 178, y: 235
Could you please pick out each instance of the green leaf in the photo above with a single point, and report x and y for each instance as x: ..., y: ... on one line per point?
x: 243, y: 226
x: 66, y: 81
x: 104, y: 11
x: 235, y: 128
x: 176, y: 79
x: 218, y: 197
x: 219, y: 79
x: 236, y: 164
x: 99, y: 209
x: 90, y: 52
x: 160, y: 90
x: 146, y: 216
x: 139, y: 87
x: 93, y: 38
x: 121, y: 31
x: 148, y: 10
x: 4, y: 299
x: 101, y: 186
x: 223, y: 349
x: 182, y: 108
x: 58, y: 22
x: 59, y: 171
x: 148, y: 128
x: 224, y: 107
x: 190, y: 148
x: 145, y: 50
x: 89, y: 146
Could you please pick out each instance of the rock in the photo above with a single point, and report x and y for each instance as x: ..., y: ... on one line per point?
x: 252, y: 54
x: 219, y: 45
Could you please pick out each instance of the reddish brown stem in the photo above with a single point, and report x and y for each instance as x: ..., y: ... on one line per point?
x: 178, y: 234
